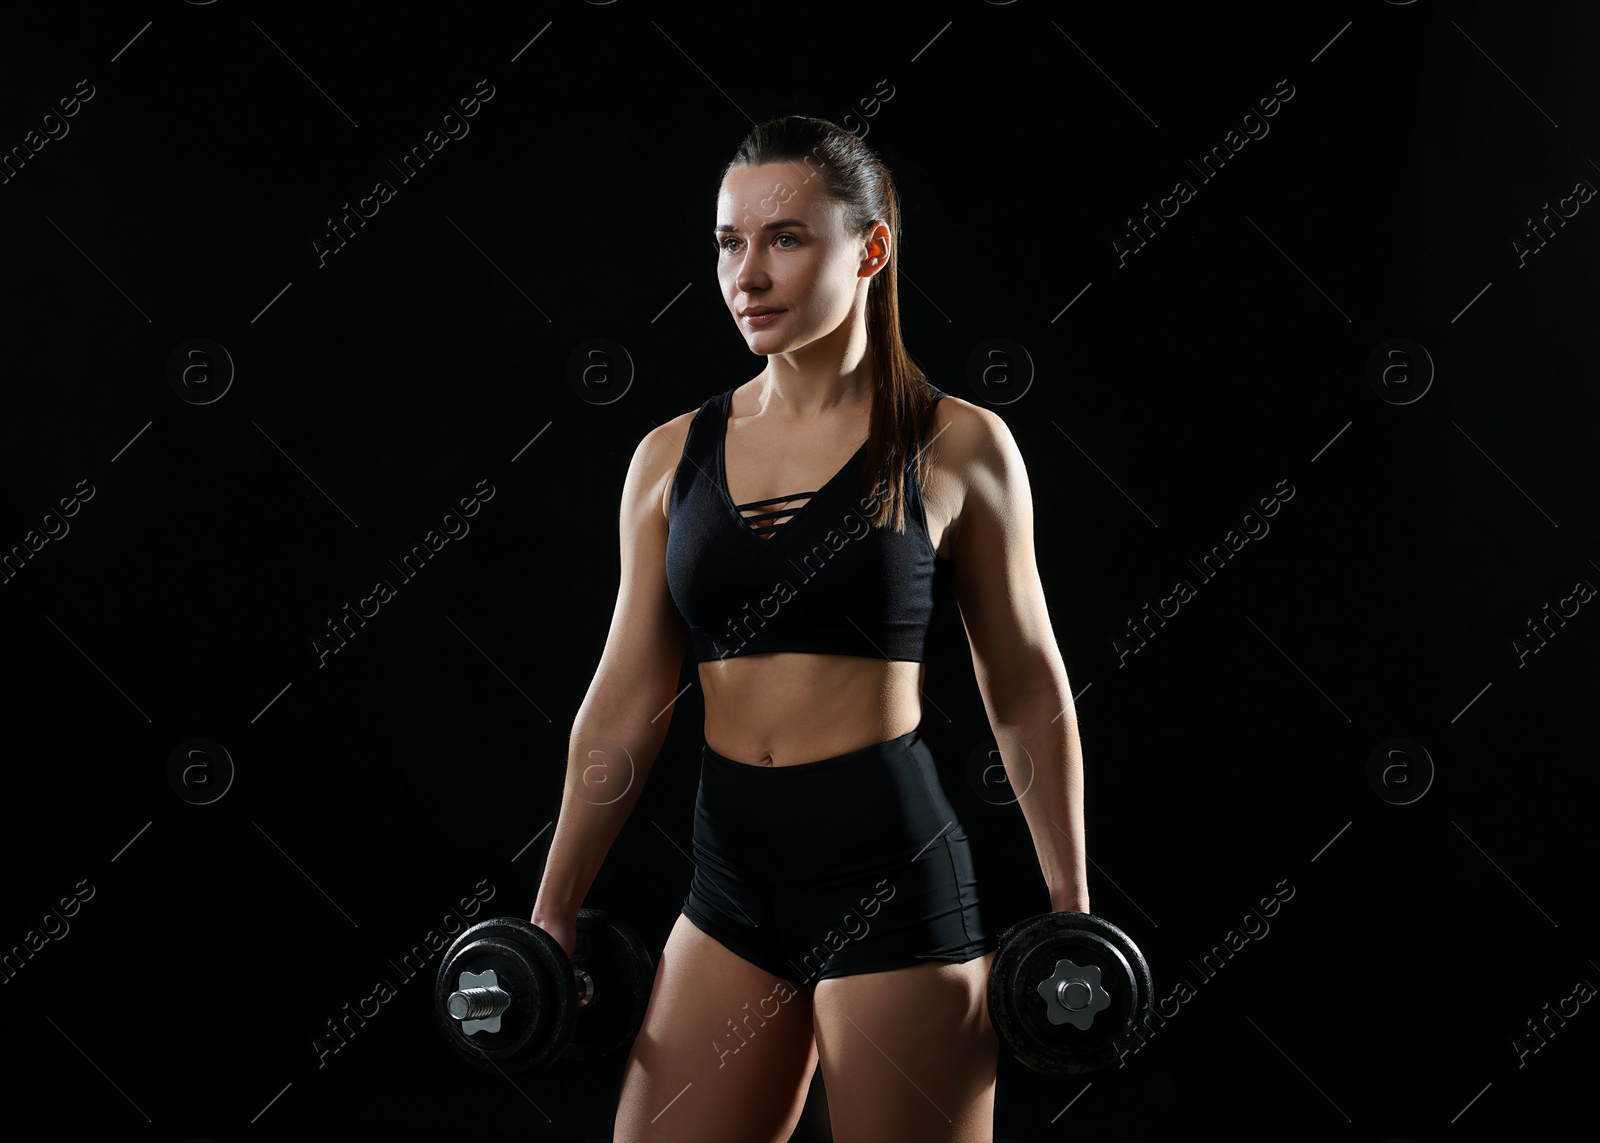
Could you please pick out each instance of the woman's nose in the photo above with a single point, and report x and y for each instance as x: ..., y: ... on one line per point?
x: 751, y: 272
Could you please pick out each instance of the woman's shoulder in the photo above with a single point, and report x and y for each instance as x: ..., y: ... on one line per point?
x: 661, y: 451
x: 969, y: 439
x: 962, y: 426
x: 669, y: 436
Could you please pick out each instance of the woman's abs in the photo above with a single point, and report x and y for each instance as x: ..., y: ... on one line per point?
x: 788, y: 708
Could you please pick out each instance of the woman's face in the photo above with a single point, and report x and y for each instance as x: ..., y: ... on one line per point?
x: 782, y: 246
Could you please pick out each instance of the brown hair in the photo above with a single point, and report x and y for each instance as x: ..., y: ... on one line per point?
x: 854, y: 176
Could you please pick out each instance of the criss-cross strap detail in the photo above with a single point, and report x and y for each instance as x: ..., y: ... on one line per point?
x: 766, y: 530
x: 750, y: 524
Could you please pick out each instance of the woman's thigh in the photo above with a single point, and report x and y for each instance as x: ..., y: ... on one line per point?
x: 909, y: 1054
x: 726, y: 1050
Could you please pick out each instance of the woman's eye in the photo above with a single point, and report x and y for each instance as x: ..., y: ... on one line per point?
x: 722, y: 243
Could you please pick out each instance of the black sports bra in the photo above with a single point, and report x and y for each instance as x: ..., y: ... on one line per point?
x: 823, y: 581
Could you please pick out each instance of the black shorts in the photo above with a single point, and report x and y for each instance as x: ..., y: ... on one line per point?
x: 846, y: 865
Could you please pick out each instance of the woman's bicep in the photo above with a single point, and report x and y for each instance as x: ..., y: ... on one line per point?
x: 644, y: 648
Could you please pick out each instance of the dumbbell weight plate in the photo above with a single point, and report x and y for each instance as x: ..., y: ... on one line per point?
x: 623, y: 971
x: 529, y: 965
x: 1028, y: 955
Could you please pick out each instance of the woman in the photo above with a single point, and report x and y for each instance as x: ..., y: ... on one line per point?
x: 833, y: 912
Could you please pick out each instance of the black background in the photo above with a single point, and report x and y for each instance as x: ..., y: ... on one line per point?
x: 1161, y: 401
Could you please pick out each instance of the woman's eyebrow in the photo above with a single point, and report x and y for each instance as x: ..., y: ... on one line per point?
x: 730, y: 228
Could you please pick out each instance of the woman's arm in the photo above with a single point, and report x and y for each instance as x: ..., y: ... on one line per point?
x: 1018, y: 666
x: 622, y: 722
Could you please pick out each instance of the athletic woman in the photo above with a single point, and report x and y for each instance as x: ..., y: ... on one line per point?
x: 797, y: 533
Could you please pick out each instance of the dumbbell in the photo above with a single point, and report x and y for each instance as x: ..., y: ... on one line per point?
x: 508, y: 998
x: 1068, y: 992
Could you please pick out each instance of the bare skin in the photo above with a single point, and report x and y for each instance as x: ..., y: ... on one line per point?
x: 908, y: 1053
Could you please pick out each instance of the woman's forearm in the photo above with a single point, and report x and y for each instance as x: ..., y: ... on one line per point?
x: 1037, y: 735
x: 614, y: 743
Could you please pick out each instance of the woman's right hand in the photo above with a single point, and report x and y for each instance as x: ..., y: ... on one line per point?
x: 561, y: 924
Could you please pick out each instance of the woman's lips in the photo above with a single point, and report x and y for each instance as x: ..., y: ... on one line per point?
x: 764, y: 319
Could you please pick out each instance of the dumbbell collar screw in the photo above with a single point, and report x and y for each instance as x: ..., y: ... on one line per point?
x: 478, y: 1002
x: 1074, y: 994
